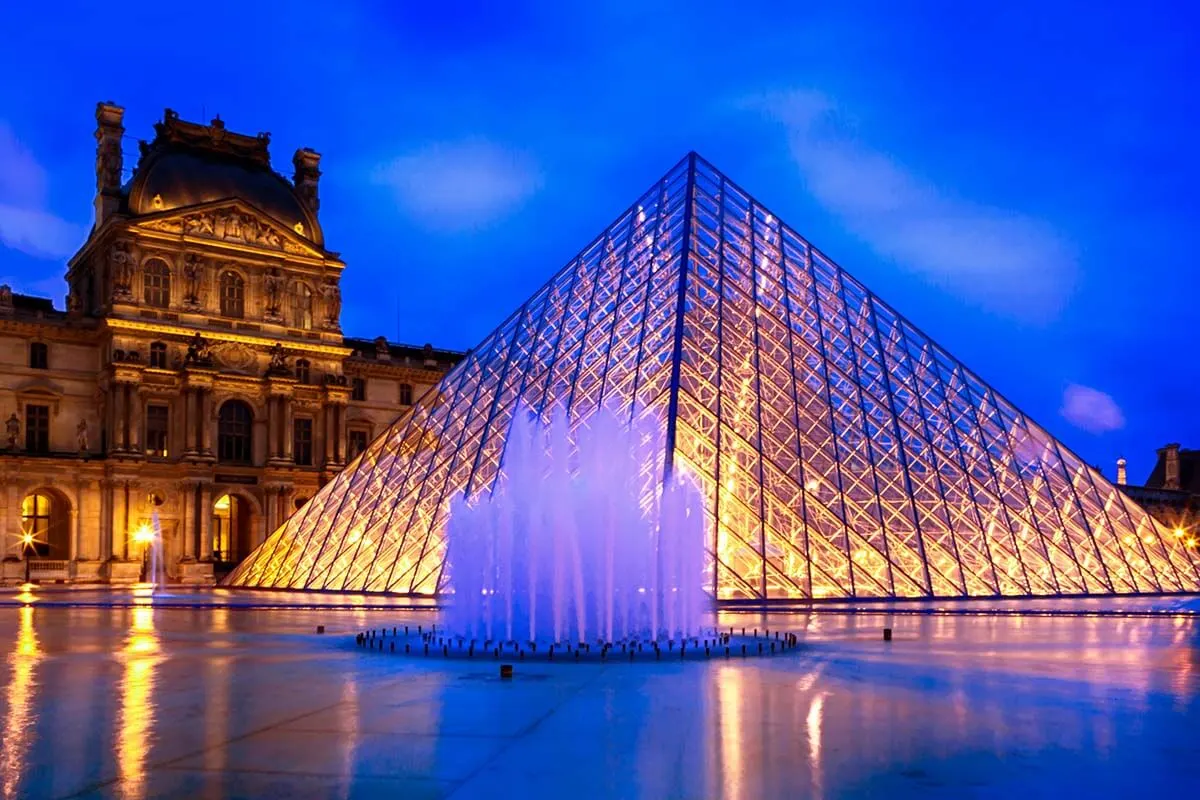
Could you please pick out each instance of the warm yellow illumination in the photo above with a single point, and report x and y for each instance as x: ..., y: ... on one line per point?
x: 1178, y: 533
x: 143, y: 534
x: 27, y: 539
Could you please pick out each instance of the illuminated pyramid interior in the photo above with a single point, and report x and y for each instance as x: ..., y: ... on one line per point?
x: 842, y: 453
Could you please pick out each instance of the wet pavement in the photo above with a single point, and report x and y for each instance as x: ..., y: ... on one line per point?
x: 214, y: 695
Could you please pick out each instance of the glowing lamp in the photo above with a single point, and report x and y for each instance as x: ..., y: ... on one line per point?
x: 143, y: 534
x: 1178, y: 533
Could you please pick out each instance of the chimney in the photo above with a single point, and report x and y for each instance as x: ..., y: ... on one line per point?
x: 307, y: 174
x: 1121, y: 477
x: 1170, y: 456
x: 109, y: 130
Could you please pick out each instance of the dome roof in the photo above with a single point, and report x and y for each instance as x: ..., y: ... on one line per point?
x: 185, y: 170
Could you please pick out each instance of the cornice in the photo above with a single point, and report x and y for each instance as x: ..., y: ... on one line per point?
x: 217, y: 335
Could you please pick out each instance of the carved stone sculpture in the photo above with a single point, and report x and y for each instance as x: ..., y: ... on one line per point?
x: 333, y: 303
x: 122, y: 270
x: 198, y: 352
x: 13, y: 428
x: 193, y: 274
x: 274, y: 285
x: 278, y: 365
x: 81, y: 435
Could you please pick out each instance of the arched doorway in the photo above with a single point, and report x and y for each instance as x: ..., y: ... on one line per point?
x: 45, y: 525
x: 230, y: 529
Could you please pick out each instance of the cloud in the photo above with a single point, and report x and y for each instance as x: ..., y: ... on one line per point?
x: 1002, y: 260
x: 452, y: 186
x: 1091, y: 409
x: 25, y: 223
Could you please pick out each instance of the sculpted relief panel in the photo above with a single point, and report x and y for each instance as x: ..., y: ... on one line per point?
x: 229, y: 225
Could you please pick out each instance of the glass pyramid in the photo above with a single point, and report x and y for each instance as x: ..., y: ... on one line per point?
x: 842, y: 452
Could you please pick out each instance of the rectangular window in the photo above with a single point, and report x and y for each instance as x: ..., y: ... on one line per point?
x: 358, y: 443
x: 37, y: 429
x: 358, y: 389
x: 39, y: 355
x: 158, y: 422
x: 302, y: 442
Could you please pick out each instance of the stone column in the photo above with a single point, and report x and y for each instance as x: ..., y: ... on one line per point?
x: 189, y: 421
x: 339, y: 434
x: 206, y: 501
x: 12, y: 521
x: 327, y: 424
x: 77, y: 521
x: 138, y: 402
x: 287, y: 429
x: 186, y: 531
x: 120, y: 537
x: 206, y: 427
x: 106, y: 519
x: 118, y: 426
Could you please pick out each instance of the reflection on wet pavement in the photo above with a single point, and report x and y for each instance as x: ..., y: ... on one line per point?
x: 137, y: 701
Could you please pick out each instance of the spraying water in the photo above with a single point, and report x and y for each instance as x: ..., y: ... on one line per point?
x: 581, y: 540
x: 156, y: 569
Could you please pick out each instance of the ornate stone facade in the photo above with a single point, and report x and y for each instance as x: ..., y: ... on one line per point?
x: 198, y: 374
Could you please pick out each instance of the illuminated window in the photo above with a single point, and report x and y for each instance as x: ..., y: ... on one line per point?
x: 235, y: 431
x: 156, y: 283
x: 158, y: 355
x: 357, y: 442
x: 302, y: 370
x: 157, y: 424
x: 36, y: 511
x: 406, y: 394
x: 225, y: 518
x: 302, y: 442
x: 358, y: 389
x: 39, y: 355
x: 302, y: 306
x: 233, y: 295
x: 37, y: 429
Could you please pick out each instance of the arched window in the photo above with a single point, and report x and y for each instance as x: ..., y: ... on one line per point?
x: 40, y: 534
x: 302, y: 370
x: 302, y: 306
x: 235, y: 432
x: 406, y: 394
x: 233, y: 295
x: 156, y: 283
x: 158, y: 355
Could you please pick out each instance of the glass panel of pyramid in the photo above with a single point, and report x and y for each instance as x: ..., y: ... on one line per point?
x: 842, y: 453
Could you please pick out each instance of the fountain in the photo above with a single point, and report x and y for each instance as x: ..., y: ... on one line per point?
x: 153, y: 566
x: 577, y: 542
x: 582, y: 550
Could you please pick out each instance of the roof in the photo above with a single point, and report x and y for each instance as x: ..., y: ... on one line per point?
x: 188, y: 163
x: 1189, y: 471
x: 417, y: 354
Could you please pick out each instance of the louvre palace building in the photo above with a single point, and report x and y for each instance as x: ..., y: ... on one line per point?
x: 198, y: 378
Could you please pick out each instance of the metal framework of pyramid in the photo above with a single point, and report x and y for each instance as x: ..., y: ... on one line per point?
x: 842, y: 453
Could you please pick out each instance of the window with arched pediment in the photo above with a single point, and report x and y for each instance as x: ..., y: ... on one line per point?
x: 156, y: 283
x: 302, y: 306
x: 233, y: 294
x: 235, y: 432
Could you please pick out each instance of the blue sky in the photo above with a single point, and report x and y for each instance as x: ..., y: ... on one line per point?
x: 1017, y: 181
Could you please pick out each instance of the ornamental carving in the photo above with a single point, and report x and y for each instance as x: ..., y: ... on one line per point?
x: 230, y: 225
x: 233, y: 356
x: 274, y: 286
x: 333, y: 304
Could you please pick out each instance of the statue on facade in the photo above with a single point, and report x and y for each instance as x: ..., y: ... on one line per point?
x: 81, y: 435
x: 278, y: 365
x: 193, y: 270
x: 274, y: 285
x: 198, y: 352
x: 6, y: 300
x: 333, y: 303
x: 122, y: 269
x: 13, y: 428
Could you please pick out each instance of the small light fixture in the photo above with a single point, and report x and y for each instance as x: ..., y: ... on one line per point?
x: 157, y: 201
x: 299, y: 228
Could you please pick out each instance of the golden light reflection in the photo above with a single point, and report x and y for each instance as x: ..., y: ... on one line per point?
x: 22, y: 686
x: 730, y: 696
x: 813, y: 729
x: 135, y: 723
